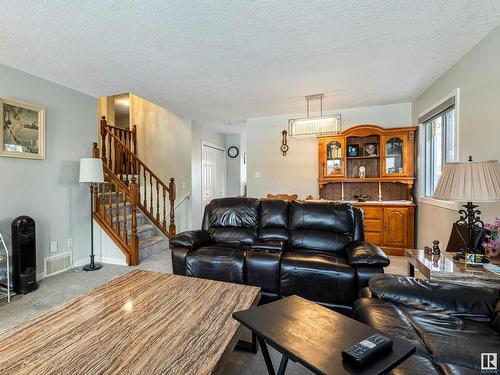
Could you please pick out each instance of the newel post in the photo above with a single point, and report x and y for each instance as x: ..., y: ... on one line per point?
x: 103, y: 138
x: 171, y: 198
x: 134, y: 253
x: 95, y: 151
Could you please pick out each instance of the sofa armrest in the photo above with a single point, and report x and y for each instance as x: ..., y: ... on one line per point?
x: 192, y: 239
x: 271, y: 246
x: 434, y: 296
x: 362, y: 253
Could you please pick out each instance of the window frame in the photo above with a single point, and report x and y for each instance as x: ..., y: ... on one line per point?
x: 424, y: 170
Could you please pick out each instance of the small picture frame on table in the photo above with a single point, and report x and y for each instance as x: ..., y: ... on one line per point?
x: 352, y: 150
x: 370, y: 149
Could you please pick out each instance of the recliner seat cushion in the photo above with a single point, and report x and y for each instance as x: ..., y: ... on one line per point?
x: 452, y: 339
x: 318, y: 277
x: 233, y: 220
x: 222, y: 263
x: 321, y: 226
x: 273, y: 223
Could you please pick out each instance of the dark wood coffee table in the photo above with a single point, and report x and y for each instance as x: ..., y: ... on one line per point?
x: 315, y: 336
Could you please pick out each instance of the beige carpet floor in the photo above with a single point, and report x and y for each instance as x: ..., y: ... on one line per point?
x: 58, y: 289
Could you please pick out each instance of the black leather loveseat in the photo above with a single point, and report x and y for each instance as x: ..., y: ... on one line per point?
x: 312, y: 249
x: 450, y: 325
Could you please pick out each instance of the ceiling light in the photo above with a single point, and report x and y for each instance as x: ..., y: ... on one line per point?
x: 315, y: 125
x: 227, y: 122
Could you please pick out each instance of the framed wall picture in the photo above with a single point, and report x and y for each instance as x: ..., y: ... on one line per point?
x: 23, y: 129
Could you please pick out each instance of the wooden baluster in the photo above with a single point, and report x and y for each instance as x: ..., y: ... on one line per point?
x: 110, y: 201
x: 171, y: 197
x: 123, y: 157
x: 110, y: 159
x: 134, y: 253
x: 124, y: 201
x: 157, y: 202
x: 117, y: 210
x: 145, y: 190
x: 116, y: 164
x: 138, y: 184
x: 134, y: 139
x: 125, y: 167
x: 100, y: 197
x: 103, y: 139
x: 164, y: 223
x: 150, y: 193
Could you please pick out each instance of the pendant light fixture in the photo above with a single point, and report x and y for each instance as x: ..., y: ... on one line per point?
x: 316, y: 125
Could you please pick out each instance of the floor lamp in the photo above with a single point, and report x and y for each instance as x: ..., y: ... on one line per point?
x: 470, y: 182
x: 91, y: 172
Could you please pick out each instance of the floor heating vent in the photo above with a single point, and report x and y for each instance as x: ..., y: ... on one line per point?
x: 57, y: 264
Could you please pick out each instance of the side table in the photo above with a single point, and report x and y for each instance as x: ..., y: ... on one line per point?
x: 444, y: 268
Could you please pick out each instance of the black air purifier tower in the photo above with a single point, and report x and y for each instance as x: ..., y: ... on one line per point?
x: 24, y: 255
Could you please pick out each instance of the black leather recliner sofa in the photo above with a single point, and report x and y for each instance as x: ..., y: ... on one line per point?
x: 312, y: 249
x: 451, y: 325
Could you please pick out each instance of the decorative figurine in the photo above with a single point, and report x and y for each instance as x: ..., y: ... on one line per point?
x: 361, y: 197
x: 435, y: 248
x: 362, y: 171
x: 427, y: 250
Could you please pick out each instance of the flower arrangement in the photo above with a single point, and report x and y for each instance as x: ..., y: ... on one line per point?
x: 491, y: 243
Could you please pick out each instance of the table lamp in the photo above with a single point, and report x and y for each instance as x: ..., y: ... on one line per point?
x: 91, y: 172
x: 470, y: 182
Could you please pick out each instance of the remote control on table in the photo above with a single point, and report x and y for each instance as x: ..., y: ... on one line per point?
x: 362, y: 351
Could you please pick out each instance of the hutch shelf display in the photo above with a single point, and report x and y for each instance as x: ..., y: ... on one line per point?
x: 374, y: 164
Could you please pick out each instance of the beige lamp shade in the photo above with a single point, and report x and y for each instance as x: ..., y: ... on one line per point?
x: 469, y: 182
x: 91, y: 170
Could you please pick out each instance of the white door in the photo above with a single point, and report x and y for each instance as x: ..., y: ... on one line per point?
x: 213, y: 174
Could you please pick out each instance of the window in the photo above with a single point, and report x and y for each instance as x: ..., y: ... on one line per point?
x: 439, y: 136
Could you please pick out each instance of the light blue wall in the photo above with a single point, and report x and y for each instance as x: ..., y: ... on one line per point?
x: 48, y: 190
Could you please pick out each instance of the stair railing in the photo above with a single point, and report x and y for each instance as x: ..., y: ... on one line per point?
x: 152, y: 193
x: 115, y: 209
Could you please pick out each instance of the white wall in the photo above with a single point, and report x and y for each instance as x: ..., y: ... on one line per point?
x: 164, y: 145
x: 200, y: 134
x: 233, y: 166
x: 477, y: 75
x: 48, y: 190
x: 297, y: 172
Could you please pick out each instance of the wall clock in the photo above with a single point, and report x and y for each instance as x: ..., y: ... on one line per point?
x: 233, y: 152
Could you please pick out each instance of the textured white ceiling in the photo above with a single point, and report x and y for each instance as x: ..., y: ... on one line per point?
x: 214, y: 61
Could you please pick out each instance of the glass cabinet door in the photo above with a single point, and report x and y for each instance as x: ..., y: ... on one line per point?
x: 334, y: 158
x: 394, y: 156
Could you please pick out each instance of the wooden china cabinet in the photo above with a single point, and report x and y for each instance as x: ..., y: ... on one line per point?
x: 378, y: 163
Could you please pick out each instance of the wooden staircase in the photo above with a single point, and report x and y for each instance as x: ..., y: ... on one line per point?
x: 133, y: 203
